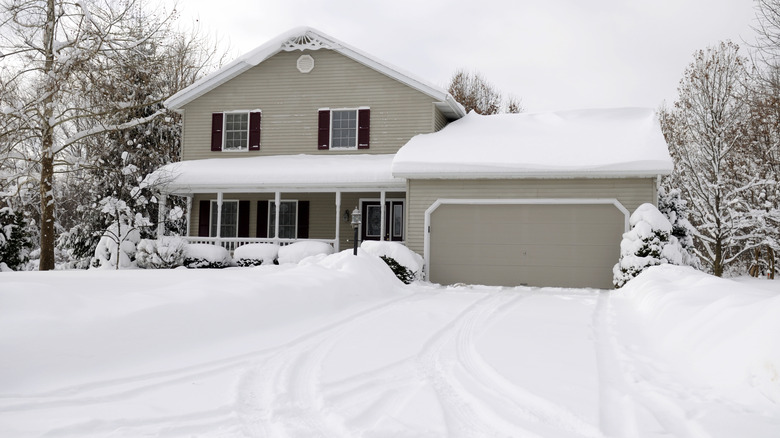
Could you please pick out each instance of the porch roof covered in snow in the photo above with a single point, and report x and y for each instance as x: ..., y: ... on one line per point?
x: 289, y: 173
x: 595, y: 143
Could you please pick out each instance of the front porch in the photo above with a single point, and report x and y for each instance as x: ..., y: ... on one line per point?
x: 285, y: 199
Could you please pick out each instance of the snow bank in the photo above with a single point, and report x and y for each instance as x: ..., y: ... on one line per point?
x: 716, y: 332
x: 295, y: 252
x: 100, y: 325
x: 589, y: 143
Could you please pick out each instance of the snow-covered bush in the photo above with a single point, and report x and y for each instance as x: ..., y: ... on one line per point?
x: 405, y: 263
x: 116, y: 248
x: 675, y: 209
x: 649, y: 243
x: 15, y: 242
x: 164, y: 253
x: 255, y: 254
x: 295, y: 252
x: 205, y: 255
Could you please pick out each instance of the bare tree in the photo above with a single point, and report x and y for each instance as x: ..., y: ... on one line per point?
x: 477, y: 94
x: 707, y: 138
x: 60, y: 58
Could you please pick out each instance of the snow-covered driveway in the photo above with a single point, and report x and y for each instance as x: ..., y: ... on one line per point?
x: 338, y: 348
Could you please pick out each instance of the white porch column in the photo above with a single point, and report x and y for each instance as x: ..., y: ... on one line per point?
x: 219, y: 215
x: 189, y: 214
x: 277, y: 207
x: 161, y: 215
x: 383, y: 214
x: 338, y: 222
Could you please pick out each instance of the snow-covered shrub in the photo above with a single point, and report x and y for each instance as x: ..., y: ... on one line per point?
x: 205, y: 255
x: 255, y: 254
x: 295, y: 252
x: 166, y: 252
x: 15, y: 242
x: 116, y: 248
x: 649, y: 243
x: 675, y: 209
x: 405, y: 263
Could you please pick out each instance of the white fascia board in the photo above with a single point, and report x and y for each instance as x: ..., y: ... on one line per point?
x: 531, y: 175
x: 298, y: 188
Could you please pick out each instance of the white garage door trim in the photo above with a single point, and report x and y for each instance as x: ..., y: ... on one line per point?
x: 527, y: 201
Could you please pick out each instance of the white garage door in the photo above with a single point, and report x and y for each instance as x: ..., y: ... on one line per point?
x: 569, y: 245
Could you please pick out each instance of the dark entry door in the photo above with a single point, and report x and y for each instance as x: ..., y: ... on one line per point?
x: 372, y: 220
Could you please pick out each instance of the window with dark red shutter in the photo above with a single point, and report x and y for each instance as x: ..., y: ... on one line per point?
x: 254, y: 131
x: 216, y: 131
x: 323, y: 135
x: 364, y: 126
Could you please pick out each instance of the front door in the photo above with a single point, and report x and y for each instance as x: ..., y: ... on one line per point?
x: 372, y: 220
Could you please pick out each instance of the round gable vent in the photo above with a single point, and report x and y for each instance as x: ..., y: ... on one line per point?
x: 305, y: 63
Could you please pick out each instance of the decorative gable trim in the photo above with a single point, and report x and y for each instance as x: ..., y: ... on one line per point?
x: 307, y: 41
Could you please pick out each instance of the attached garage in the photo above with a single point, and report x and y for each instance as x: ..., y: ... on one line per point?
x: 567, y: 243
x: 530, y: 199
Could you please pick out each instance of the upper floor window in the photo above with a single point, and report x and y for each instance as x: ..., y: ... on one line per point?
x: 343, y: 132
x: 344, y: 128
x: 235, y: 131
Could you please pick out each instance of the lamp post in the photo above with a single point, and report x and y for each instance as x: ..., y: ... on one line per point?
x: 356, y: 224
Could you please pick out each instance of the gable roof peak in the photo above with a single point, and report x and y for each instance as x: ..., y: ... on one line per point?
x: 307, y: 38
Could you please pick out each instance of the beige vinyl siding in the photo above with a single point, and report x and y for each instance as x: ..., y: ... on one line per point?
x: 322, y: 211
x: 439, y: 120
x: 631, y: 192
x: 290, y: 101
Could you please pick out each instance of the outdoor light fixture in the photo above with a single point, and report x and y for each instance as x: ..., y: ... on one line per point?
x: 356, y: 224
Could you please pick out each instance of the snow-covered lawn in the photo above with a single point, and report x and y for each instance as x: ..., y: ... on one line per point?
x: 336, y: 346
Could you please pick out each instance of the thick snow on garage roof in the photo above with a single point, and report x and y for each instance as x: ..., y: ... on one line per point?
x: 577, y: 143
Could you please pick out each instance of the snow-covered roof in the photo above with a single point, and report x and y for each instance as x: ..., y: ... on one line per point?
x: 280, y: 172
x: 307, y: 38
x: 582, y: 143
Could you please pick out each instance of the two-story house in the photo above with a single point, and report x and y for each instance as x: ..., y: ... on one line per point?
x: 284, y: 142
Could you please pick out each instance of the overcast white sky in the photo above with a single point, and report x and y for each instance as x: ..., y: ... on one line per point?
x: 552, y: 54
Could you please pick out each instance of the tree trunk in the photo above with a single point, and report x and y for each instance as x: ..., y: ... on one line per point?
x: 47, y: 145
x: 717, y: 264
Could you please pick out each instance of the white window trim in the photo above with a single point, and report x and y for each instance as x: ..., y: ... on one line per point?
x: 214, y: 206
x: 224, y: 129
x: 272, y: 209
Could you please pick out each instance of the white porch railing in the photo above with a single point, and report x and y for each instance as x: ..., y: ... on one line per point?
x: 231, y: 243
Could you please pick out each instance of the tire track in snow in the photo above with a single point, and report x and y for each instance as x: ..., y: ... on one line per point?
x: 502, y: 393
x: 283, y: 394
x: 119, y: 390
x: 477, y: 400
